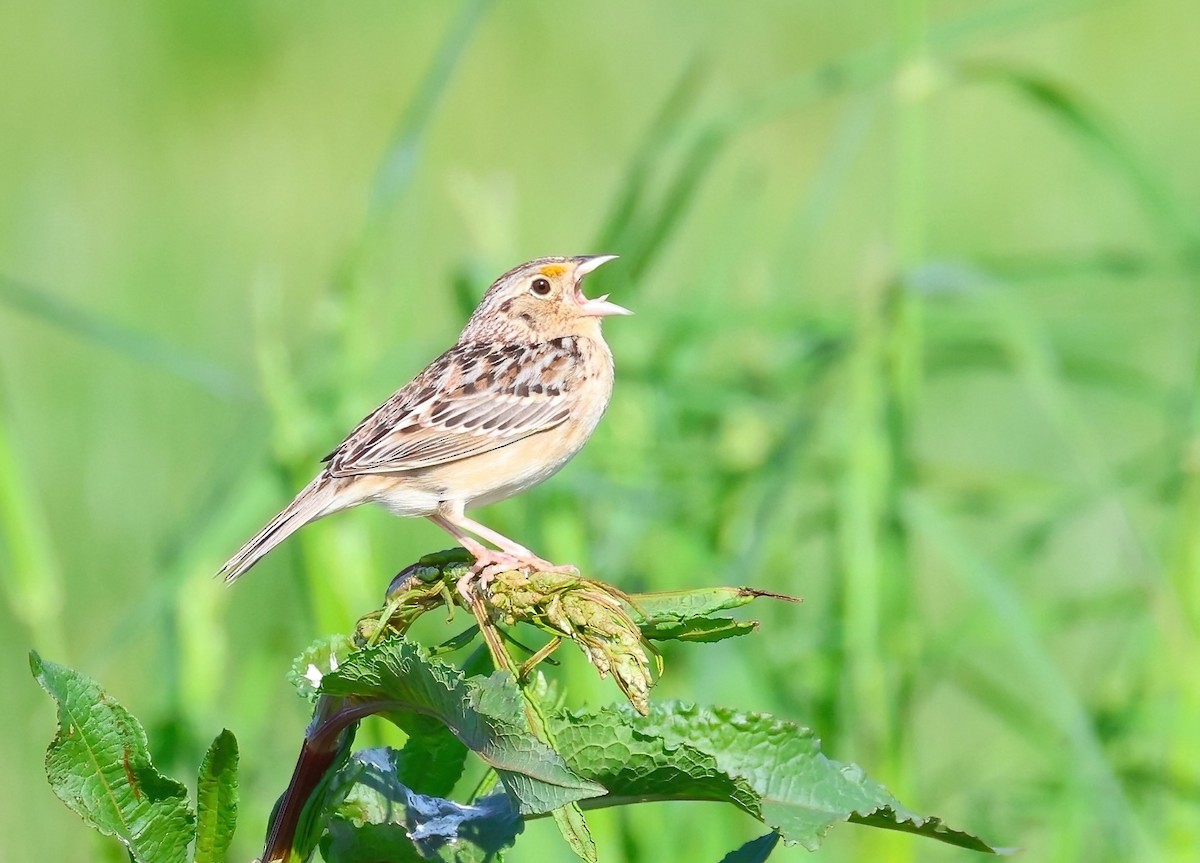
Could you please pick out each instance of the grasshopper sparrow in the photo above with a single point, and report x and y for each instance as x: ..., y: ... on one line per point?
x: 516, y: 397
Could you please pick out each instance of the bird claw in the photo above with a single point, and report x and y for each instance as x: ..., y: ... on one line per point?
x: 489, y: 564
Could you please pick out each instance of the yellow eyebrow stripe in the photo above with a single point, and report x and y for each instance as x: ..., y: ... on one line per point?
x: 553, y: 270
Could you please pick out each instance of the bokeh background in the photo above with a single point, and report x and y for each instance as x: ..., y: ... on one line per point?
x: 918, y: 287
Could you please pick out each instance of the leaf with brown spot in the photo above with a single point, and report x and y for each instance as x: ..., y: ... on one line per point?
x: 99, y: 766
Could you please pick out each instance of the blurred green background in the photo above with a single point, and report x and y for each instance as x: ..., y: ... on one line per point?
x: 917, y: 283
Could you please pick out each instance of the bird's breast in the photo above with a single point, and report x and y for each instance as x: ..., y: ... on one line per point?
x: 511, y: 469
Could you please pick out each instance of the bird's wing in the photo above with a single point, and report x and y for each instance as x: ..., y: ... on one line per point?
x: 473, y: 399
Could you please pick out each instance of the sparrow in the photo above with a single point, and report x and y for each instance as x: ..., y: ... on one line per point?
x: 512, y: 401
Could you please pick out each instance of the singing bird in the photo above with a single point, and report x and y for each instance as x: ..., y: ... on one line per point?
x: 516, y: 397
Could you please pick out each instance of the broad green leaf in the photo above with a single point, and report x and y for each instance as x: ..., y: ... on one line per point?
x: 368, y: 843
x: 610, y: 748
x: 770, y: 768
x: 803, y: 793
x: 433, y: 758
x: 754, y: 851
x: 99, y: 766
x: 488, y: 716
x: 379, y: 818
x: 217, y: 800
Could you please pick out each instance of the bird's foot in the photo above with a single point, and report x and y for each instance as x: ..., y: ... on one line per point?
x: 489, y: 563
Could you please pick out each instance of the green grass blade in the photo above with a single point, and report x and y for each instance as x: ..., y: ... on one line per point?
x: 1048, y: 691
x: 31, y: 576
x: 95, y: 329
x: 217, y: 800
x: 621, y: 223
x: 399, y: 164
x: 1086, y: 125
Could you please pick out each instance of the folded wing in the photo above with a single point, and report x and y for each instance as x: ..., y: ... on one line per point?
x: 472, y: 399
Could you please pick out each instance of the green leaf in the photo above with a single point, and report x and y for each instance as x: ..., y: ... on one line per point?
x: 433, y: 758
x: 654, y: 608
x: 317, y: 660
x: 488, y: 716
x: 609, y: 747
x: 379, y: 818
x: 574, y: 829
x: 703, y: 629
x: 770, y: 768
x: 368, y: 843
x: 217, y: 799
x: 803, y: 793
x: 754, y: 851
x: 685, y: 615
x: 99, y: 766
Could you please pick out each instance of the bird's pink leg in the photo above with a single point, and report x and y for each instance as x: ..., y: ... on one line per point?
x: 514, y: 550
x: 489, y: 562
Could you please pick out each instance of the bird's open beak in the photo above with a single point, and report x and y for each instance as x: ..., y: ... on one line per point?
x: 599, y: 307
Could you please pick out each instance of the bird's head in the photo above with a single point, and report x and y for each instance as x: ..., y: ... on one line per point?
x: 542, y: 300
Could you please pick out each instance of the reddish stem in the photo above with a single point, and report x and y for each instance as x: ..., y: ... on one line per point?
x: 319, y: 750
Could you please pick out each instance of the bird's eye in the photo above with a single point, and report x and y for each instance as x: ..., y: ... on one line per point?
x: 541, y: 287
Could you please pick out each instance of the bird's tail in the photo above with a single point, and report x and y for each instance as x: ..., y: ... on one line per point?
x: 317, y: 499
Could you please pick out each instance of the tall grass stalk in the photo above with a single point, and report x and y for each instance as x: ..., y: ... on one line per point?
x: 31, y: 575
x: 885, y: 369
